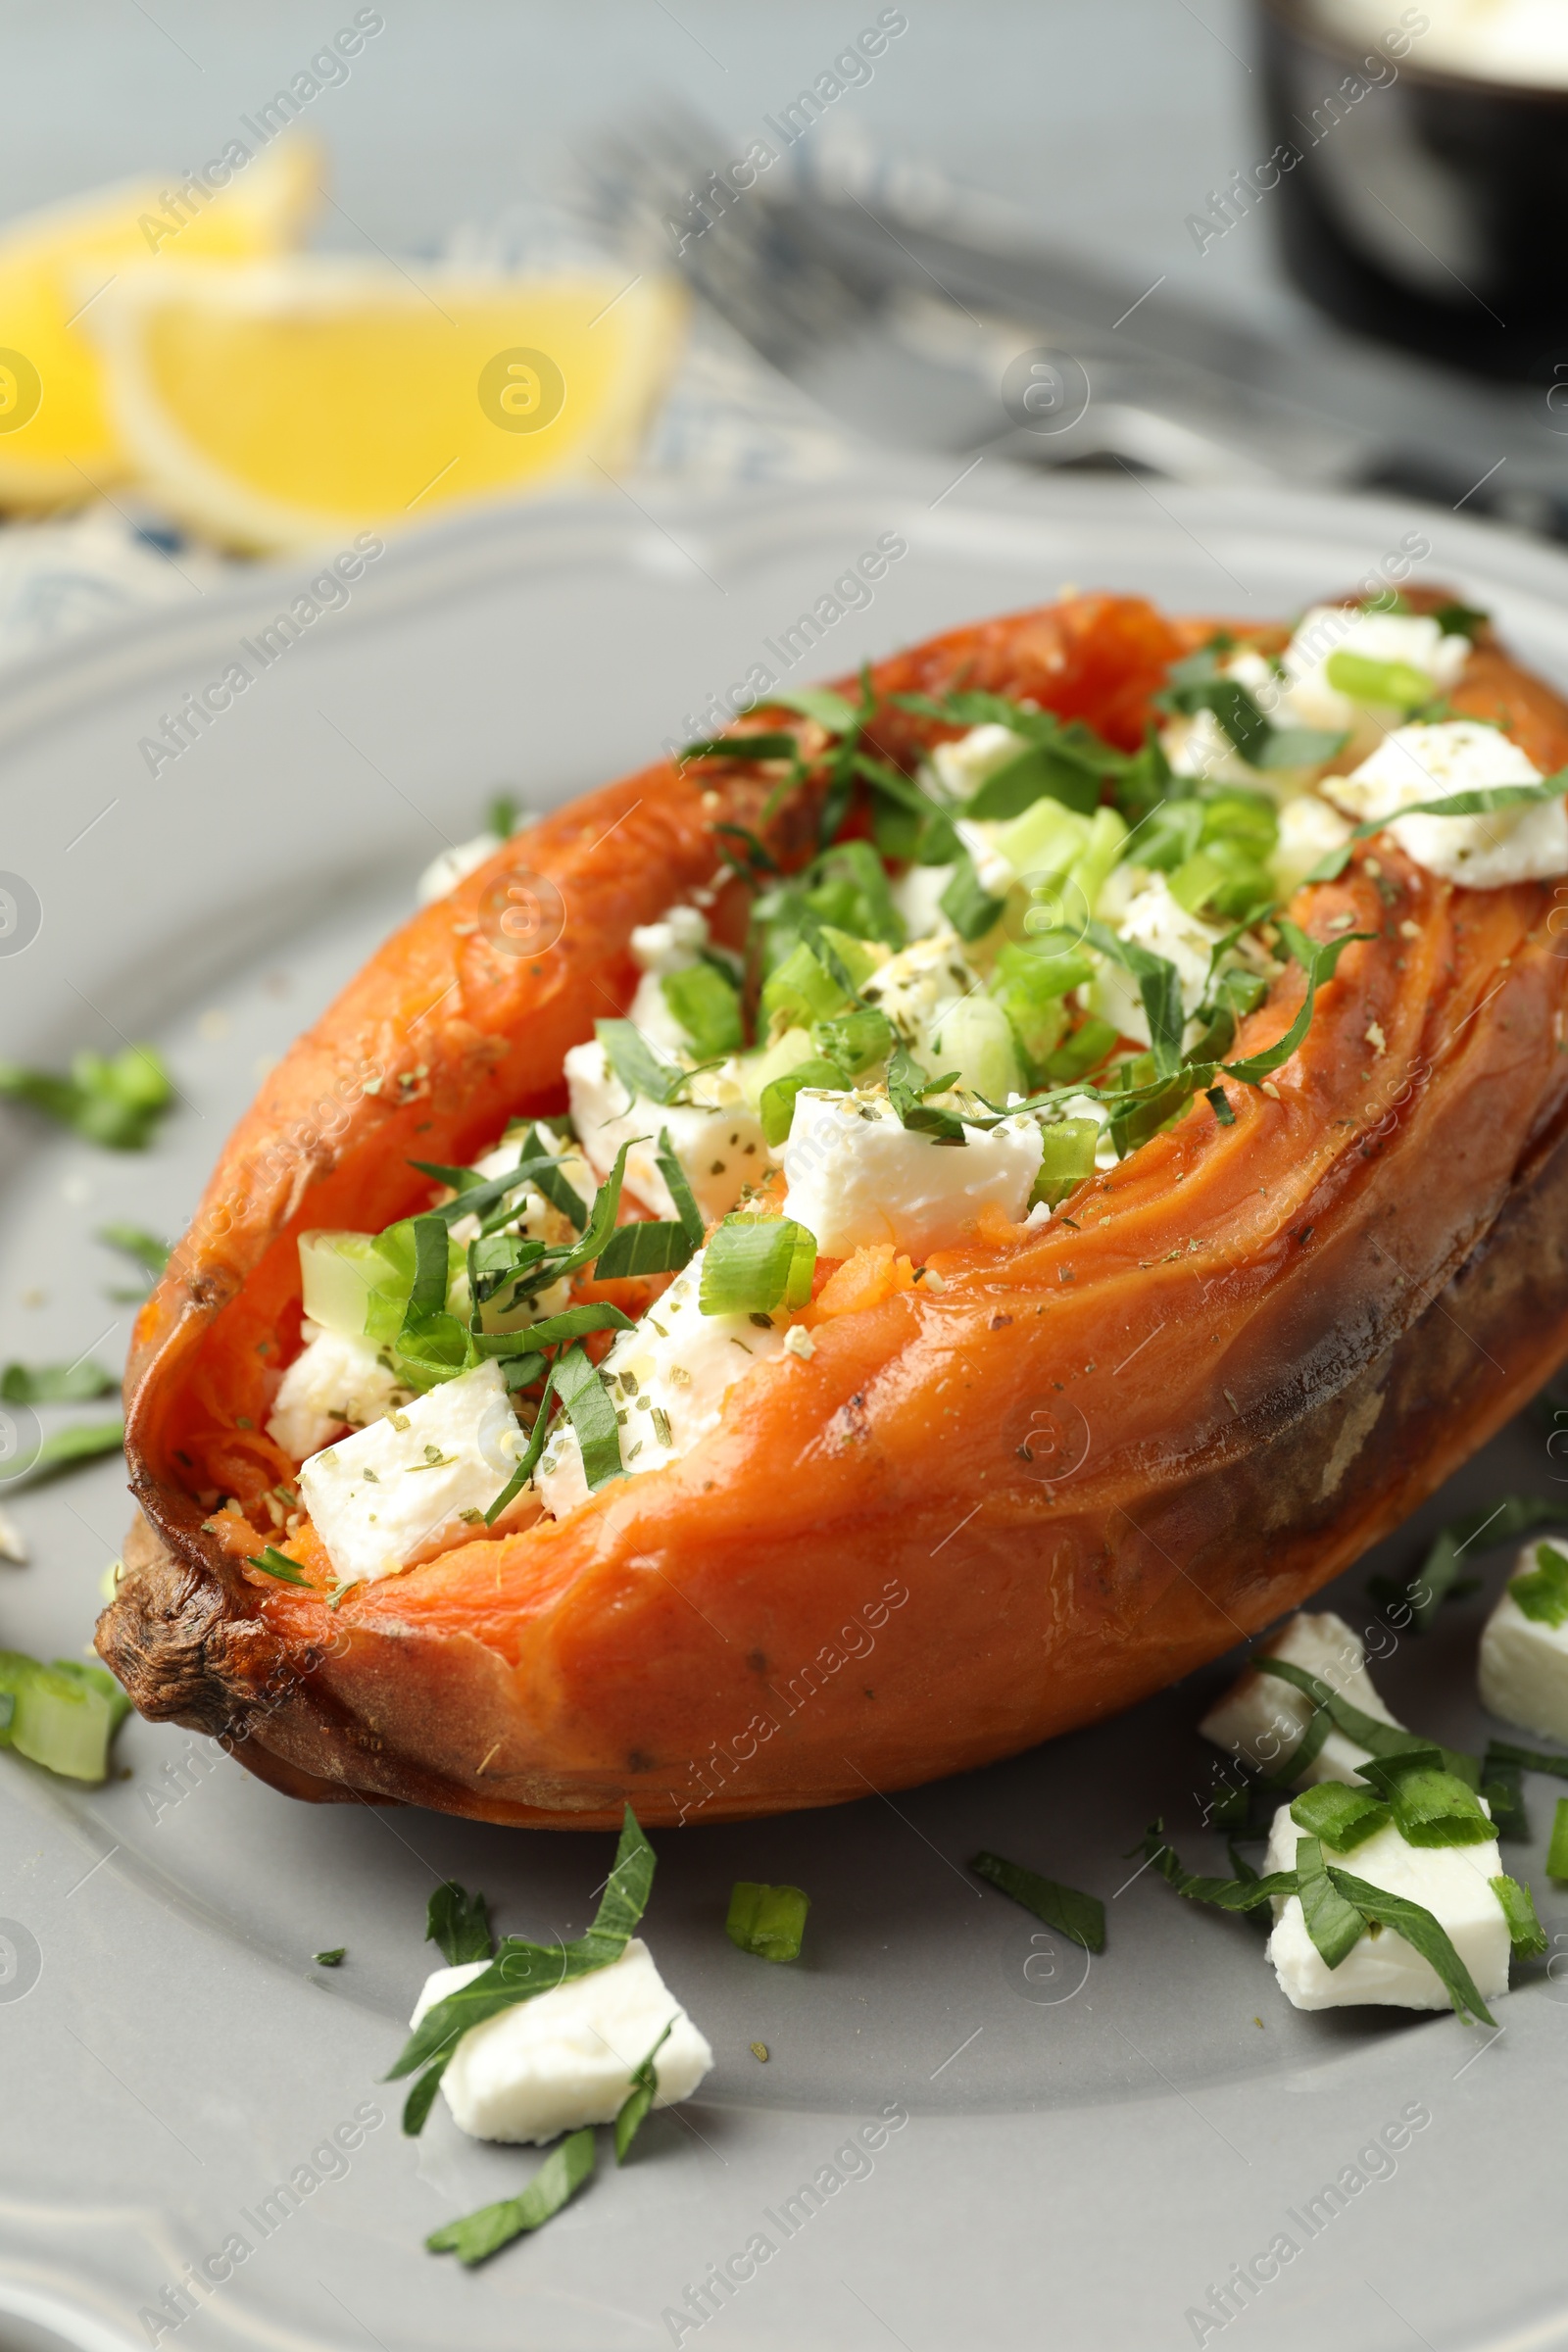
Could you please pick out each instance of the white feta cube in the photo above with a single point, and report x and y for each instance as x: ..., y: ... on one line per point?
x: 417, y: 1483
x: 1416, y: 764
x: 1523, y: 1666
x: 336, y: 1381
x: 1415, y: 639
x: 567, y: 2057
x: 959, y: 768
x: 716, y: 1136
x: 919, y: 987
x: 1262, y: 1720
x: 13, y: 1545
x: 1451, y: 1881
x: 856, y: 1175
x: 1309, y: 830
x: 667, y: 1378
x: 1154, y: 919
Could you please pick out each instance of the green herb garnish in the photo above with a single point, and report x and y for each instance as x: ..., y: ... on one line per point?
x: 588, y: 1408
x: 640, y: 2098
x: 1479, y: 802
x: 1332, y: 1711
x: 332, y: 1959
x: 1542, y: 1595
x: 1424, y: 1934
x: 480, y: 2235
x: 115, y: 1101
x: 1081, y: 1918
x: 521, y: 1970
x: 1411, y: 1604
x: 1431, y: 1805
x: 273, y: 1562
x: 908, y: 1089
x: 56, y: 1384
x: 1557, y: 1849
x: 459, y: 1924
x: 767, y: 1920
x: 63, y: 1715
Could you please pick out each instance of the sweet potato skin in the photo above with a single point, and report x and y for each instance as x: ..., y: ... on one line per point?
x: 1100, y: 1456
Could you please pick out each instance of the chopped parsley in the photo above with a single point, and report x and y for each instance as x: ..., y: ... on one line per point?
x: 640, y: 2098
x: 458, y: 1924
x: 1542, y: 1595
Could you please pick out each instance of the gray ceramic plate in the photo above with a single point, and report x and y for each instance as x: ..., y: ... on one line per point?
x: 1088, y: 2150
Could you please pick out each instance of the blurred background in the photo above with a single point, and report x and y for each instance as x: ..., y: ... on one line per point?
x: 271, y: 277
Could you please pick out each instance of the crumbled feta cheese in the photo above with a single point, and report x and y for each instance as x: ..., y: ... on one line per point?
x: 1309, y: 830
x: 1451, y: 1881
x: 917, y: 896
x: 716, y: 1136
x: 13, y: 1546
x: 1329, y: 629
x: 667, y: 1379
x: 446, y: 870
x: 1198, y: 745
x: 567, y: 2057
x: 920, y: 986
x: 1156, y: 921
x: 991, y: 870
x: 399, y: 1492
x: 1414, y: 763
x: 798, y: 1340
x: 1262, y: 1720
x: 962, y: 766
x: 1524, y: 1664
x: 334, y: 1381
x: 856, y: 1175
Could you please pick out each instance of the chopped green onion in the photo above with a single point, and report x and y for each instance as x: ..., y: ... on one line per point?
x: 478, y: 2235
x: 1542, y: 1595
x: 1397, y: 685
x: 1557, y: 1849
x: 1081, y: 1918
x: 62, y: 1716
x: 521, y: 1970
x: 640, y: 2098
x: 1066, y: 1159
x: 1340, y: 1816
x: 742, y: 747
x: 114, y: 1100
x: 273, y: 1562
x: 856, y: 1039
x: 459, y: 1924
x: 55, y: 1384
x: 706, y: 1003
x: 332, y: 1959
x: 776, y: 1103
x: 800, y: 991
x: 767, y: 1920
x: 1526, y: 1934
x: 754, y: 1264
x: 1431, y: 1807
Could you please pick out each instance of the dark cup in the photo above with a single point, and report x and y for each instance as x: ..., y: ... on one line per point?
x: 1422, y: 207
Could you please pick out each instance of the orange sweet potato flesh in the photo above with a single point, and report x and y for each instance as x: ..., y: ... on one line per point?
x: 974, y: 1516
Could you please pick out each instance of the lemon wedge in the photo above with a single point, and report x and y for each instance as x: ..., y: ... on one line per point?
x: 283, y: 403
x: 57, y: 444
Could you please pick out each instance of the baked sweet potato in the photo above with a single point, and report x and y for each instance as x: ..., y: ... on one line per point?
x: 1104, y: 1451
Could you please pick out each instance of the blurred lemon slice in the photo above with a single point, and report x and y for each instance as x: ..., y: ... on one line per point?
x: 56, y: 440
x: 280, y: 404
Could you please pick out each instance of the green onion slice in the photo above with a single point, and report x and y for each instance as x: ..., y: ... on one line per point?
x: 753, y: 1266
x: 767, y: 1920
x: 1526, y: 1934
